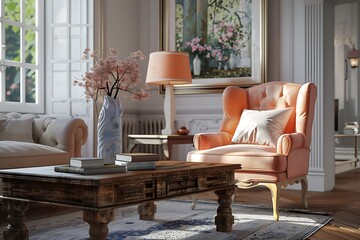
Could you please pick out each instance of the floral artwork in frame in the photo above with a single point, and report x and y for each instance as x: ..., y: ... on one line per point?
x: 225, y: 39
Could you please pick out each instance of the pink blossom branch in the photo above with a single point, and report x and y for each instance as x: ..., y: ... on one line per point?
x: 125, y: 76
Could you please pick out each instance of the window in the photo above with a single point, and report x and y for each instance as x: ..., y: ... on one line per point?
x: 22, y: 56
x: 69, y: 30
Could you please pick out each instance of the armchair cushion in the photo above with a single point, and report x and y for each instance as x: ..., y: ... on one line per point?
x: 261, y: 127
x: 252, y: 157
x: 16, y: 129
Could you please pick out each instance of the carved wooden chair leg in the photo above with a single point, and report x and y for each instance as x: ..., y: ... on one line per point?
x: 275, y: 193
x: 193, y: 204
x: 304, y: 188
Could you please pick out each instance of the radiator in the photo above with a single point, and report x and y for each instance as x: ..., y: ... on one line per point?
x: 128, y: 127
x: 147, y: 125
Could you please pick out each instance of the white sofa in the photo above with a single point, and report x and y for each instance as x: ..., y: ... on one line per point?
x: 28, y: 140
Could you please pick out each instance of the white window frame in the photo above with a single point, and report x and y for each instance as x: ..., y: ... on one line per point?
x: 22, y: 106
x: 68, y: 100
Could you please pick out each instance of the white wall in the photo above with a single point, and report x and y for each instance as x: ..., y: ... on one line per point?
x: 129, y: 26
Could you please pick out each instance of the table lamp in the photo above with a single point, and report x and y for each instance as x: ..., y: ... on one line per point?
x: 169, y: 68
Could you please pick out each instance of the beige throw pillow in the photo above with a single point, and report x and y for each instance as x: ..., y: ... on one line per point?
x: 261, y: 127
x: 16, y: 129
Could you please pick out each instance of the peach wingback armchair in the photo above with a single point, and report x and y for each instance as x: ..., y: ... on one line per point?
x: 284, y: 163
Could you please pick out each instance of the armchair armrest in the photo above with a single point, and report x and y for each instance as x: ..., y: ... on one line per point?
x: 204, y: 141
x: 68, y: 134
x: 289, y: 142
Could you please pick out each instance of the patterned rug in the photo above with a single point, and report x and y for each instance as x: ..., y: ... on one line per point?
x: 175, y: 220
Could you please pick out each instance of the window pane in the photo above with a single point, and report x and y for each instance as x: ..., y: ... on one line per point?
x: 78, y: 108
x: 60, y: 43
x: 12, y: 41
x: 59, y: 11
x: 12, y: 76
x: 30, y: 41
x: 77, y: 69
x: 59, y: 108
x: 12, y: 10
x: 75, y: 11
x: 30, y: 77
x: 60, y: 85
x: 76, y: 51
x: 30, y: 12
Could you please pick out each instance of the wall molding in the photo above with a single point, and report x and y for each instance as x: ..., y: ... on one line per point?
x: 205, y: 125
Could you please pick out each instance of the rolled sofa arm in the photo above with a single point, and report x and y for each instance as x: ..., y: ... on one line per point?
x: 204, y: 141
x: 288, y: 142
x: 68, y: 134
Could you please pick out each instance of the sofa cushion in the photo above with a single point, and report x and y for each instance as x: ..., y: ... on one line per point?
x: 15, y: 154
x: 261, y: 127
x: 16, y: 129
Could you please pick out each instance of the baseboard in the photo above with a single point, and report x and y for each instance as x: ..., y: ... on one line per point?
x: 318, y: 181
x: 344, y: 152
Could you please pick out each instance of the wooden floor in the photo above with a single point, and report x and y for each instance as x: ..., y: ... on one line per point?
x: 343, y: 202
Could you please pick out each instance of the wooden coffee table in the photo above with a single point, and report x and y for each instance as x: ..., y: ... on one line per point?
x: 99, y: 195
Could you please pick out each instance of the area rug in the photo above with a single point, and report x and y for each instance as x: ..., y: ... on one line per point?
x: 175, y: 220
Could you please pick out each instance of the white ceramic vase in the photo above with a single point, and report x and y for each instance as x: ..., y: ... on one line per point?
x: 196, y: 65
x: 232, y: 61
x: 109, y: 130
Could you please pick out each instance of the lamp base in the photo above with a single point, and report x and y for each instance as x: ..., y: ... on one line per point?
x: 168, y: 131
x: 169, y: 111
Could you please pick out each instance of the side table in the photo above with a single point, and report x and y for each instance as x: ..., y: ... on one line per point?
x: 354, y: 136
x: 166, y: 141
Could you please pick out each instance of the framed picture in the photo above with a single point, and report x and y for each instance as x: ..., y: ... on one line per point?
x: 226, y: 41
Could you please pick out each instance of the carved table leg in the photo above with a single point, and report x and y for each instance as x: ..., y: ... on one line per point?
x: 147, y: 211
x: 98, y: 221
x: 224, y: 219
x: 17, y: 228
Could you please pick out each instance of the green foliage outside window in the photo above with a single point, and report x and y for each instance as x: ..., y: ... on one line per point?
x: 13, y: 48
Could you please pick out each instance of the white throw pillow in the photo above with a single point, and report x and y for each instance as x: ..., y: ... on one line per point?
x: 16, y: 129
x: 261, y: 127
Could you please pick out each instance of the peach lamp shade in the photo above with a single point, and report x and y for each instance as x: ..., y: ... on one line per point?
x: 169, y: 68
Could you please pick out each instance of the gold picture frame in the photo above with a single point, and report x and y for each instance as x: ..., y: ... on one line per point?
x: 256, y: 45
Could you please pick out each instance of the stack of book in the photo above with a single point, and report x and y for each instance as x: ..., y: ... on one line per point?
x: 351, y: 128
x: 137, y: 161
x: 89, y: 166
